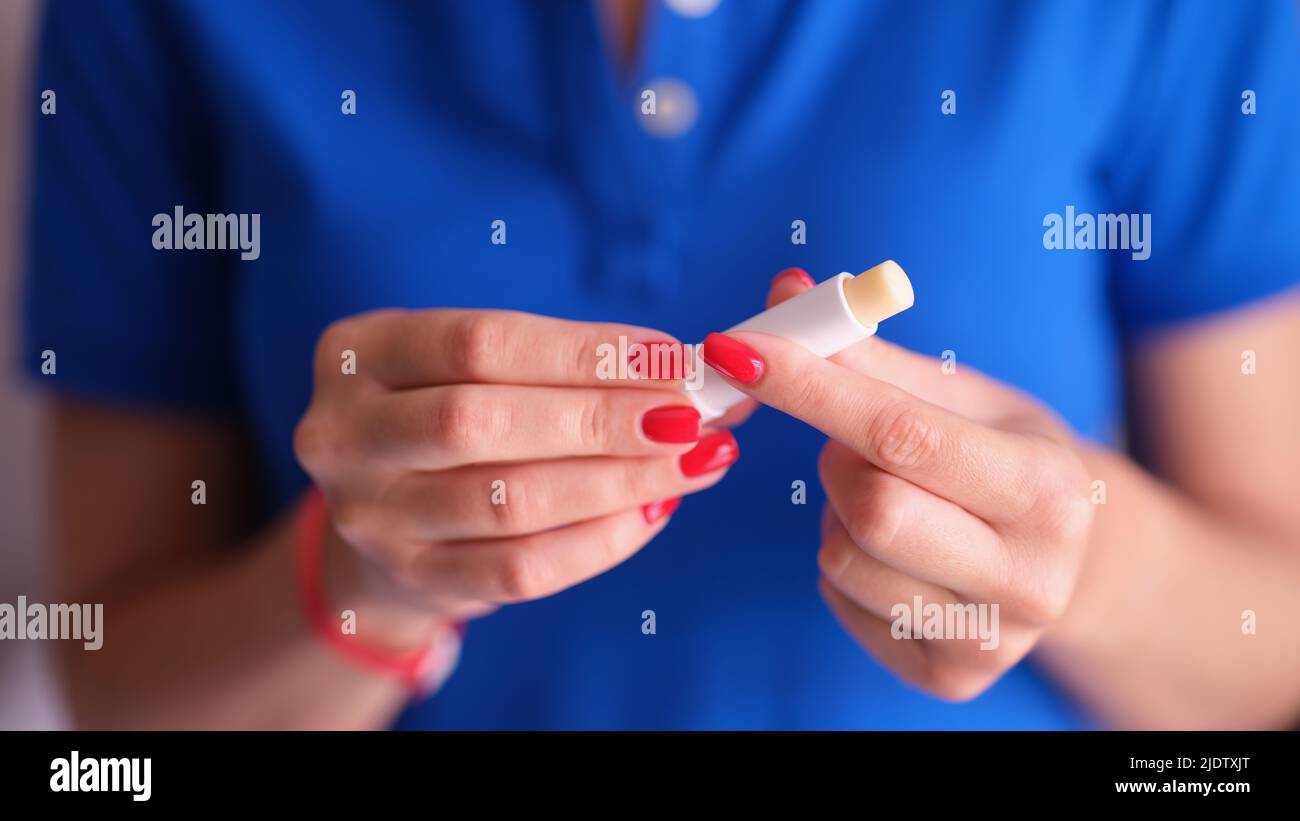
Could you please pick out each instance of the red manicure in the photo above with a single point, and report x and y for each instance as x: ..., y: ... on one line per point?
x: 714, y: 452
x: 798, y: 273
x: 655, y: 511
x: 671, y: 423
x: 733, y: 358
x: 654, y: 359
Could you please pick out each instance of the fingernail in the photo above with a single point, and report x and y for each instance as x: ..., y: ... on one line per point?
x: 655, y: 511
x: 733, y: 358
x: 654, y: 359
x: 715, y: 451
x: 794, y: 273
x: 671, y: 423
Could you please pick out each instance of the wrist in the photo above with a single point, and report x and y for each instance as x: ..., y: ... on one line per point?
x: 1128, y: 556
x: 382, y: 614
x: 350, y: 613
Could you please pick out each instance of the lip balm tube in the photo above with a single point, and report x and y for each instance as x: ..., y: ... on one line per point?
x: 825, y: 320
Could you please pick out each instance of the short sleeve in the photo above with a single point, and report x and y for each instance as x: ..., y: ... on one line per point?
x: 125, y: 141
x: 1221, y: 184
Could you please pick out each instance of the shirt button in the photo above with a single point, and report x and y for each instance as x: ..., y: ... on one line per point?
x: 667, y: 108
x: 692, y: 8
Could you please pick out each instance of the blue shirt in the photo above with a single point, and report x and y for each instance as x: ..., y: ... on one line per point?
x: 830, y: 113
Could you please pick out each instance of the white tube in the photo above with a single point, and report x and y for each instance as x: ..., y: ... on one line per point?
x: 820, y: 319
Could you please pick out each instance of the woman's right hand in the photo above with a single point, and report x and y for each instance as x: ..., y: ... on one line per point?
x: 476, y: 457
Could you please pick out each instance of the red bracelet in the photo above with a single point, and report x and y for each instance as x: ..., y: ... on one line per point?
x: 414, y: 669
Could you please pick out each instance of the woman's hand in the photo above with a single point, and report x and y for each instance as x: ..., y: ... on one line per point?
x: 477, y: 457
x: 948, y: 486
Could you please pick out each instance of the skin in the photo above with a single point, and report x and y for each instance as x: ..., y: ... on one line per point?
x: 406, y: 454
x: 970, y: 494
x: 1134, y: 605
x: 622, y: 20
x: 459, y: 400
x: 958, y: 488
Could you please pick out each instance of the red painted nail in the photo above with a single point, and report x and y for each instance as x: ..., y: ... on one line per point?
x: 714, y: 452
x: 733, y: 358
x: 655, y: 359
x: 797, y: 273
x: 655, y: 511
x: 671, y: 423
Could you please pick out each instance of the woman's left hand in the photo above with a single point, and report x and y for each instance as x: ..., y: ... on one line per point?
x: 949, y: 486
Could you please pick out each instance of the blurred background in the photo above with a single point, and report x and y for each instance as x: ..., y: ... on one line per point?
x: 29, y: 697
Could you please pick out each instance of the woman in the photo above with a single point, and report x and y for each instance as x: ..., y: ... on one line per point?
x: 418, y: 170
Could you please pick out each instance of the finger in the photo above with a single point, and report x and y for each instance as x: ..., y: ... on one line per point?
x: 958, y: 665
x: 941, y: 382
x: 956, y: 387
x: 406, y: 349
x: 830, y: 521
x: 919, y: 662
x: 789, y: 283
x: 484, y: 501
x: 451, y: 608
x: 531, y: 567
x: 452, y: 425
x: 736, y: 414
x: 870, y: 583
x: 990, y: 472
x: 907, y: 659
x: 910, y: 529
